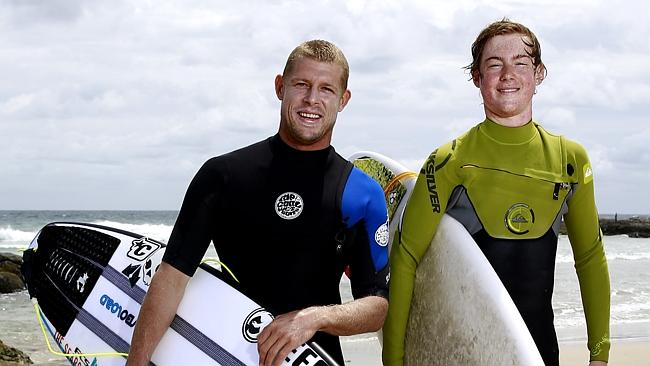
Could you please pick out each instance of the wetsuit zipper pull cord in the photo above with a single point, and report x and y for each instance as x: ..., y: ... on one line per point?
x: 556, y: 191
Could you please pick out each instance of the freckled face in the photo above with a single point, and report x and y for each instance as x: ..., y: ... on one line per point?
x: 312, y: 95
x: 507, y: 79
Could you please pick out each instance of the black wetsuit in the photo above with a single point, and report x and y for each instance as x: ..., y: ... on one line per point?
x: 287, y: 223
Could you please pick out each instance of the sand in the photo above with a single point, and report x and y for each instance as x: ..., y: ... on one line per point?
x: 365, y: 351
x: 623, y: 353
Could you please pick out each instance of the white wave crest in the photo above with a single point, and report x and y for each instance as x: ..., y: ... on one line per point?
x: 9, y: 234
x: 158, y: 232
x: 610, y: 257
x: 628, y: 256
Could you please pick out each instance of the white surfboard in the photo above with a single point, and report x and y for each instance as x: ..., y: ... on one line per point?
x: 90, y: 281
x: 461, y: 313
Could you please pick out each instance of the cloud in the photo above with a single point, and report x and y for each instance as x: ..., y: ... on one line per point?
x: 129, y: 98
x: 24, y: 13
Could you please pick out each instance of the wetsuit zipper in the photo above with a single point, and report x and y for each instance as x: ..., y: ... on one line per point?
x: 557, y: 185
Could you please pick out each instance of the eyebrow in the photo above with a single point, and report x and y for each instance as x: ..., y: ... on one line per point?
x: 295, y: 79
x: 517, y: 57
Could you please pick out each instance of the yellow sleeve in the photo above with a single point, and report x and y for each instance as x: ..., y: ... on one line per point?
x: 423, y: 212
x: 589, y: 254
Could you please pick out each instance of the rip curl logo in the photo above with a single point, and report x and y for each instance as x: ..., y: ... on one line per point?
x: 254, y: 323
x: 381, y: 235
x: 519, y: 218
x: 289, y: 205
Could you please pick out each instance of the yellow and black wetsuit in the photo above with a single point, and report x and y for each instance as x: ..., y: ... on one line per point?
x: 510, y: 188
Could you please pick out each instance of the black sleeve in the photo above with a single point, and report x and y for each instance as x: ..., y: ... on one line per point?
x: 364, y: 279
x: 194, y: 226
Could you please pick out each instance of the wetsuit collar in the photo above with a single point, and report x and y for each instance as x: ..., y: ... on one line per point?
x: 281, y: 147
x: 509, y: 135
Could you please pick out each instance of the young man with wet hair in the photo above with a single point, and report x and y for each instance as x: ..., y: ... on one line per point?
x: 510, y: 183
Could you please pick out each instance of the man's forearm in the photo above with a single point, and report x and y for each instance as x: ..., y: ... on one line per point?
x: 157, y: 311
x: 359, y: 316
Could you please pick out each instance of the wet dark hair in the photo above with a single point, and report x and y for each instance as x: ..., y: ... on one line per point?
x: 503, y: 27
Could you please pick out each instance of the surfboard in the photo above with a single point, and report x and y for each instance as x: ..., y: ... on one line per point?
x: 90, y: 281
x: 396, y: 180
x: 461, y: 314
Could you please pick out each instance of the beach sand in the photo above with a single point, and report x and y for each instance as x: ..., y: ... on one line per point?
x: 623, y: 353
x: 365, y: 351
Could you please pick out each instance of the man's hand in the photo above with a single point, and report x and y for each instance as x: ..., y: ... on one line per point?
x: 290, y: 330
x: 287, y: 332
x: 597, y: 363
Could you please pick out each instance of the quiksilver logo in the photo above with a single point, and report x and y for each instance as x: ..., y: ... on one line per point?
x: 519, y: 218
x: 289, y: 205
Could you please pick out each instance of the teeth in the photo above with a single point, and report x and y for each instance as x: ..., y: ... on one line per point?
x: 309, y: 115
x: 508, y: 90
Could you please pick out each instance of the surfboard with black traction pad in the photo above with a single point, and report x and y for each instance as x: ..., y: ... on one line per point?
x: 90, y: 280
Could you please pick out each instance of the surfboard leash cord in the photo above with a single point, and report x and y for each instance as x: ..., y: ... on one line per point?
x: 397, y: 179
x: 57, y: 353
x: 214, y: 260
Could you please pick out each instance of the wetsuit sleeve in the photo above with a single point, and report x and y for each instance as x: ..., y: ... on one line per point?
x: 364, y: 208
x: 425, y: 208
x: 589, y: 255
x: 192, y: 231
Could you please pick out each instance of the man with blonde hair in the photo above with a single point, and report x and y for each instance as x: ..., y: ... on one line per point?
x: 287, y: 215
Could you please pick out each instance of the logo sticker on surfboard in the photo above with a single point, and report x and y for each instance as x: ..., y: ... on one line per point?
x: 142, y: 249
x: 289, y: 205
x: 254, y: 323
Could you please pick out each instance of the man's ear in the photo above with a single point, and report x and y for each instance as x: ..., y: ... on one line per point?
x: 476, y: 78
x: 539, y: 74
x: 345, y: 98
x: 279, y: 87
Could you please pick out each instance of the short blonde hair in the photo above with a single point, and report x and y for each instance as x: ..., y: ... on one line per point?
x: 321, y: 51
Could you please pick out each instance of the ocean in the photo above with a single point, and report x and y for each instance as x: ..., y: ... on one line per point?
x: 628, y: 259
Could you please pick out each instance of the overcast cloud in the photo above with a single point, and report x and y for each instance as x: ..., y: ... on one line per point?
x: 115, y: 104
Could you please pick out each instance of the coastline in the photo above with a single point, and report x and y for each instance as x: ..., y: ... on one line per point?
x: 634, y: 227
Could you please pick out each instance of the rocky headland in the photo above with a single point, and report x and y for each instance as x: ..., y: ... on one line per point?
x: 633, y: 227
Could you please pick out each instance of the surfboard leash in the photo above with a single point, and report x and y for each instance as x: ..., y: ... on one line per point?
x: 214, y: 260
x: 396, y: 180
x: 39, y: 316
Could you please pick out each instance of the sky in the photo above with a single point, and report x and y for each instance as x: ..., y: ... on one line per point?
x: 109, y: 104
